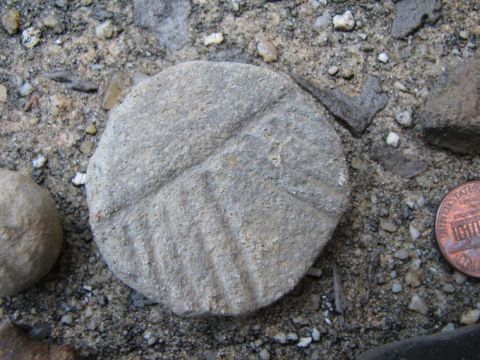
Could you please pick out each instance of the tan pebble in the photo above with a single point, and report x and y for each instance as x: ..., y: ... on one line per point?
x: 30, y: 232
x: 3, y: 94
x: 413, y: 278
x: 265, y: 49
x: 91, y: 129
x: 105, y: 30
x: 114, y: 89
x: 11, y: 21
x: 52, y: 22
x: 86, y: 147
x: 470, y: 317
x: 59, y: 104
x: 213, y: 39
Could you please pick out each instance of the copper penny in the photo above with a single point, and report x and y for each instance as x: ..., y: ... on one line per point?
x: 457, y: 228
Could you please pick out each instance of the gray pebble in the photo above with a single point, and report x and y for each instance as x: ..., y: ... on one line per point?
x: 26, y: 89
x: 401, y: 254
x: 417, y: 304
x: 264, y: 354
x: 281, y: 338
x: 404, y: 117
x: 67, y: 319
x: 396, y: 287
x: 292, y: 337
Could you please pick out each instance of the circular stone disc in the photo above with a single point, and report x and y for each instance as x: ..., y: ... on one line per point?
x: 214, y: 187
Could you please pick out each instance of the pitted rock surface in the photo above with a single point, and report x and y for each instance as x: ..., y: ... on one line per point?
x: 30, y: 232
x: 214, y: 187
x: 450, y: 117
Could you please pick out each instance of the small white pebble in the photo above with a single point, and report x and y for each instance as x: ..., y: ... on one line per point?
x: 383, y: 57
x: 39, y: 162
x: 414, y: 233
x: 26, y: 89
x: 464, y: 34
x: 292, y: 337
x: 470, y: 317
x: 417, y: 304
x: 333, y: 70
x: 398, y: 85
x: 328, y: 321
x: 213, y: 39
x: 67, y: 319
x: 344, y: 22
x: 393, y: 139
x: 79, y: 179
x: 31, y: 37
x: 304, y: 342
x: 315, y: 334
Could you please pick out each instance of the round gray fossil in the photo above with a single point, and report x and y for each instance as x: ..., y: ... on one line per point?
x: 30, y: 232
x: 214, y: 187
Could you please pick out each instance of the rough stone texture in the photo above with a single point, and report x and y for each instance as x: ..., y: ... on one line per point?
x: 167, y: 19
x: 392, y: 160
x: 30, y: 232
x: 411, y: 14
x: 357, y: 112
x: 457, y: 344
x: 450, y: 117
x: 214, y: 187
x: 14, y: 345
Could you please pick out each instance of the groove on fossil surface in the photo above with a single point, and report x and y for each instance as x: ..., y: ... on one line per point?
x: 243, y: 126
x: 249, y: 283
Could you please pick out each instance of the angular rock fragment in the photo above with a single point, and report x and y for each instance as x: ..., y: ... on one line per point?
x: 14, y: 345
x: 113, y: 91
x: 392, y: 160
x: 450, y: 117
x: 457, y: 344
x: 166, y: 19
x: 208, y: 176
x: 411, y: 14
x: 30, y: 232
x: 74, y: 82
x: 357, y: 112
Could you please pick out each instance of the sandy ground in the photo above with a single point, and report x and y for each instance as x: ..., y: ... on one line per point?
x: 81, y: 303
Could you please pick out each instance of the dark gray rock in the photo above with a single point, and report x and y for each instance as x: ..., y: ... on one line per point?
x: 392, y: 160
x: 455, y: 344
x: 411, y: 14
x: 30, y: 232
x: 214, y: 187
x: 73, y: 81
x: 166, y: 19
x: 450, y: 117
x: 357, y: 112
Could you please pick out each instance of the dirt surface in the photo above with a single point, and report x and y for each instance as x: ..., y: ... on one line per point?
x: 80, y: 303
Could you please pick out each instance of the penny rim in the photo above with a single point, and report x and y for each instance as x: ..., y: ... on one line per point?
x: 438, y: 237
